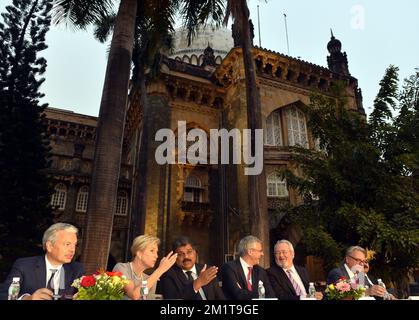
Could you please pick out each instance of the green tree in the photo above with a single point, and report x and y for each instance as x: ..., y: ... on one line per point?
x: 24, y: 189
x: 356, y: 192
x: 381, y: 119
x: 108, y: 149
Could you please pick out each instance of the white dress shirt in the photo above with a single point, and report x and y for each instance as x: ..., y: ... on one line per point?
x: 57, y: 274
x: 297, y: 279
x: 349, y: 271
x: 245, y: 268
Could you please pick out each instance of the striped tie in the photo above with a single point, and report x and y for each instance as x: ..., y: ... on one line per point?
x: 294, y: 283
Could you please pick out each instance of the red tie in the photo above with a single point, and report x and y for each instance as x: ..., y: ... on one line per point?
x: 249, y: 276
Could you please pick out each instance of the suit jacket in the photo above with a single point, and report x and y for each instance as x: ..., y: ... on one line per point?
x: 32, y: 273
x: 282, y: 285
x: 235, y: 283
x: 336, y: 273
x: 175, y: 285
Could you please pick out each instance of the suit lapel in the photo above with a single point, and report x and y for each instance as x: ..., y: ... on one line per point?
x: 284, y: 279
x: 344, y: 272
x: 40, y: 272
x: 68, y: 275
x: 240, y: 273
x: 303, y: 277
x: 181, y: 276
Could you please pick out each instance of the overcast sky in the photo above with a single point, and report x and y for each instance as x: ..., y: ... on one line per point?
x: 374, y: 34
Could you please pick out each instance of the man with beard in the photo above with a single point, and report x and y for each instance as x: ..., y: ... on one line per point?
x: 187, y: 279
x: 289, y: 281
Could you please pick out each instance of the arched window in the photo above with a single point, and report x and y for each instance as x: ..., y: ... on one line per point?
x: 194, y: 59
x: 59, y: 197
x: 122, y: 203
x: 296, y: 125
x: 277, y: 187
x: 193, y: 189
x: 82, y: 196
x: 273, y: 136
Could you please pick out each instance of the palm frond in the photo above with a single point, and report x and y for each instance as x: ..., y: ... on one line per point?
x: 196, y: 13
x: 81, y: 13
x: 104, y: 27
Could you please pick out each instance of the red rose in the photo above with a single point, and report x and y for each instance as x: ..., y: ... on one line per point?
x: 112, y: 274
x: 342, y: 278
x: 88, y: 281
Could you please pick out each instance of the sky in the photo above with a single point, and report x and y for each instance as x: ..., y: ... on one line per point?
x: 374, y: 34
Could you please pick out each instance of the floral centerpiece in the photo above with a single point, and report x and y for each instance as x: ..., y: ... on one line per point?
x: 344, y: 289
x: 103, y: 285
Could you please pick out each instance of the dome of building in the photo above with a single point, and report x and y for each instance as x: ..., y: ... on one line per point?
x: 219, y: 40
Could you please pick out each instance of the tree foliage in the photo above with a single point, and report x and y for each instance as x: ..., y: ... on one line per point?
x: 24, y: 188
x: 360, y: 187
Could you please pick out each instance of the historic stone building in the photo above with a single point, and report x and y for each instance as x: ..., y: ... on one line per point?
x: 72, y: 138
x: 204, y: 86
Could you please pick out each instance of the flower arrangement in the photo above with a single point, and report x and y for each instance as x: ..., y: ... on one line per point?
x: 344, y: 289
x: 103, y: 285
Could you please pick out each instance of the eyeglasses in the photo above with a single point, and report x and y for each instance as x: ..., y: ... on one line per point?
x: 359, y: 260
x: 277, y: 253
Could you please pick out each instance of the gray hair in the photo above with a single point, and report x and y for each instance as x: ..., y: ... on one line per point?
x: 51, y: 233
x: 247, y: 243
x: 284, y: 241
x: 355, y: 248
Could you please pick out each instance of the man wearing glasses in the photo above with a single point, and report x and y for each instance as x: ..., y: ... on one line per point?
x: 241, y: 277
x: 289, y: 281
x: 355, y: 259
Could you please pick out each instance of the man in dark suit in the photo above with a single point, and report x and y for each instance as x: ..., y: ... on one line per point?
x: 240, y: 278
x: 187, y: 279
x: 289, y: 281
x: 355, y: 259
x: 39, y: 275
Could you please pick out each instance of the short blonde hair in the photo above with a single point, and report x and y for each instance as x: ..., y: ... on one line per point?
x: 141, y: 242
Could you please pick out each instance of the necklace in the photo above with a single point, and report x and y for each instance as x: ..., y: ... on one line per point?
x: 134, y: 274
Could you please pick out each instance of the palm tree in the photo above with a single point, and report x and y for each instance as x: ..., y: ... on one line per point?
x: 258, y: 213
x: 109, y: 134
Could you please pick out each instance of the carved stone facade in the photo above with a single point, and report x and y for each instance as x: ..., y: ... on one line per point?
x: 208, y: 202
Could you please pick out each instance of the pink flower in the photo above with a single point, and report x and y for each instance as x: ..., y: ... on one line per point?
x: 343, y: 286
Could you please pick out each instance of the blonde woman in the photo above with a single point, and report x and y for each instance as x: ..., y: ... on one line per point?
x: 144, y: 251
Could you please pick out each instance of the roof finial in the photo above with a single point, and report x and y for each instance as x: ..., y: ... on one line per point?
x: 331, y: 32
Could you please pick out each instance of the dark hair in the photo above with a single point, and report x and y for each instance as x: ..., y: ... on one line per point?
x: 182, y: 241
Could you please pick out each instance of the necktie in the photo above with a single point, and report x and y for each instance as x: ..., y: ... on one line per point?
x: 50, y: 284
x: 294, y: 283
x: 189, y: 275
x: 191, y: 279
x: 249, y: 277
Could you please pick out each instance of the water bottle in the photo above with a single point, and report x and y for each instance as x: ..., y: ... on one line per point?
x: 364, y: 294
x: 14, y: 289
x: 386, y: 294
x: 261, y: 290
x: 144, y: 290
x: 311, y: 291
